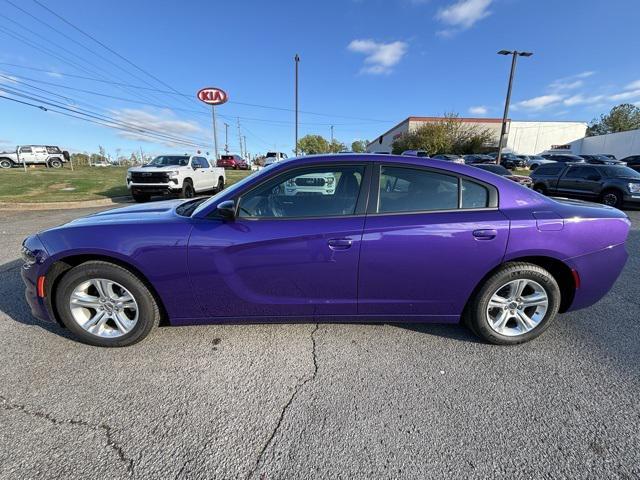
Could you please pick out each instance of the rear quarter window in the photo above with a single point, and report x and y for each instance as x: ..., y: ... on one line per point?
x: 549, y: 170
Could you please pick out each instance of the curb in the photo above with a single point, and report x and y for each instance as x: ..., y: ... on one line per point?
x: 65, y: 205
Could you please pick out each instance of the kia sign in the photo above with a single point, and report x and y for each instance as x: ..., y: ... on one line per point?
x: 212, y: 96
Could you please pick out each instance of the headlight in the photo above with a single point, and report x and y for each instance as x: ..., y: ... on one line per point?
x: 28, y: 257
x: 174, y: 173
x: 634, y: 187
x: 128, y: 175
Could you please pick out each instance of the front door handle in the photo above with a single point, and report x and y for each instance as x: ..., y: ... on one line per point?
x: 485, y: 234
x: 339, y: 243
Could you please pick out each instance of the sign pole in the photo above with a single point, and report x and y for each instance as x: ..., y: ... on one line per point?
x: 215, y: 131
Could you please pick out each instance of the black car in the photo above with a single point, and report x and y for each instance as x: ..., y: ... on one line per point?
x: 613, y: 185
x: 632, y: 161
x: 478, y: 158
x: 601, y: 160
x: 503, y: 172
x: 510, y: 160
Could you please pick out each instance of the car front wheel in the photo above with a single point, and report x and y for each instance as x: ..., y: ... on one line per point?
x: 187, y: 190
x: 4, y: 163
x: 516, y: 304
x: 106, y: 305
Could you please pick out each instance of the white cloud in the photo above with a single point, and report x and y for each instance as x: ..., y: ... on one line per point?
x: 462, y: 15
x: 55, y: 74
x: 538, y: 103
x: 586, y: 74
x: 8, y: 79
x: 563, y: 84
x: 630, y: 95
x: 380, y: 57
x: 633, y: 85
x: 479, y: 110
x: 162, y: 121
x: 580, y: 99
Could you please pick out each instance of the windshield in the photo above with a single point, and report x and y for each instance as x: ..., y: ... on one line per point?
x: 171, y: 160
x: 233, y: 188
x: 620, y: 171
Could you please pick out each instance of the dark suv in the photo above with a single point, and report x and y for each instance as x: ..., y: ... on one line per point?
x: 563, y: 158
x: 601, y: 160
x: 613, y: 185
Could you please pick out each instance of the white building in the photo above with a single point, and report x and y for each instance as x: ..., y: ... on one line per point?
x: 622, y: 144
x: 525, y: 138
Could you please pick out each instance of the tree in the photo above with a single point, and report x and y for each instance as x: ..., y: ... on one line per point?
x: 448, y: 135
x: 314, y: 144
x: 359, y: 146
x: 620, y: 119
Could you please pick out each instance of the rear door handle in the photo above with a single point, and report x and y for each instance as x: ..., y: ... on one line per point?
x: 487, y: 234
x: 339, y: 243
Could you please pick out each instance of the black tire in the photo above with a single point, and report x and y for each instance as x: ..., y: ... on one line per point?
x: 533, y: 166
x: 148, y: 311
x: 220, y: 185
x: 55, y: 163
x: 187, y: 190
x: 475, y: 315
x: 540, y: 189
x: 612, y: 198
x: 141, y: 197
x: 6, y: 163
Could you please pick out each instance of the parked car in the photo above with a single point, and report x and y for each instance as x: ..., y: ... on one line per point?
x: 502, y: 171
x: 449, y: 157
x: 101, y: 164
x: 601, y: 160
x: 274, y: 157
x: 232, y: 161
x: 445, y: 243
x: 416, y: 153
x: 509, y: 160
x: 478, y: 158
x: 48, y: 155
x: 563, y: 158
x: 613, y: 185
x: 534, y: 161
x: 183, y: 175
x: 632, y: 161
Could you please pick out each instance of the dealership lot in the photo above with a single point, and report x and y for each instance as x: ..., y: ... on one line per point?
x: 318, y: 401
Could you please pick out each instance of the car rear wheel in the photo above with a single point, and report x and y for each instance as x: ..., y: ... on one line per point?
x: 4, y: 163
x: 516, y: 304
x: 55, y: 163
x: 533, y: 166
x: 540, y: 189
x: 106, y: 305
x: 220, y: 186
x: 612, y: 198
x: 187, y: 190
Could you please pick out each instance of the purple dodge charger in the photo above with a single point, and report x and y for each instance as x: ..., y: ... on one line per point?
x: 331, y: 238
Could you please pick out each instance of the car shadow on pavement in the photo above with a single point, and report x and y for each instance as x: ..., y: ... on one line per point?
x: 451, y: 331
x: 13, y: 304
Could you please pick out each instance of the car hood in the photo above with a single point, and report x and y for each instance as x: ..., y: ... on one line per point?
x: 168, y: 168
x: 139, y: 213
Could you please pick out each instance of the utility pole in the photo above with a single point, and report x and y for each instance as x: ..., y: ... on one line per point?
x: 240, y: 137
x: 226, y: 137
x: 296, y: 60
x: 515, y: 54
x: 141, y: 155
x: 215, y: 131
x: 244, y: 138
x: 331, y: 134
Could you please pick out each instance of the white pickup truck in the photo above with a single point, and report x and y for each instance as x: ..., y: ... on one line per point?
x: 48, y: 155
x: 184, y: 175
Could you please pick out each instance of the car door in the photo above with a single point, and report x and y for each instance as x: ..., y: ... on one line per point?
x: 284, y: 254
x: 574, y: 181
x: 429, y: 238
x: 27, y: 155
x: 199, y: 174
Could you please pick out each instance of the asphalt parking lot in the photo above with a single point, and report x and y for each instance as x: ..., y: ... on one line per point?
x: 319, y: 401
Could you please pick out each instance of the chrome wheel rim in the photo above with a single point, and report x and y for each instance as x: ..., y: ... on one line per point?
x: 610, y: 199
x: 103, y: 308
x: 517, y: 307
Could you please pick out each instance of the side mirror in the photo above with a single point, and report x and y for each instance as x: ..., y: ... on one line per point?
x: 227, y: 209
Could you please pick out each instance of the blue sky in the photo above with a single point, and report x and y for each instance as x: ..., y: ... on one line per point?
x: 365, y: 65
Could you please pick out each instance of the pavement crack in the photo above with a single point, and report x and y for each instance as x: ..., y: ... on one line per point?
x: 299, y: 386
x: 107, y: 430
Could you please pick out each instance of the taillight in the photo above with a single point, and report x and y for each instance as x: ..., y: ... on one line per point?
x: 576, y: 278
x: 40, y: 286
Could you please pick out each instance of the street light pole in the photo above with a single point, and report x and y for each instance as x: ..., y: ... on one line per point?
x: 215, y: 131
x: 515, y: 54
x: 296, y: 60
x: 226, y: 137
